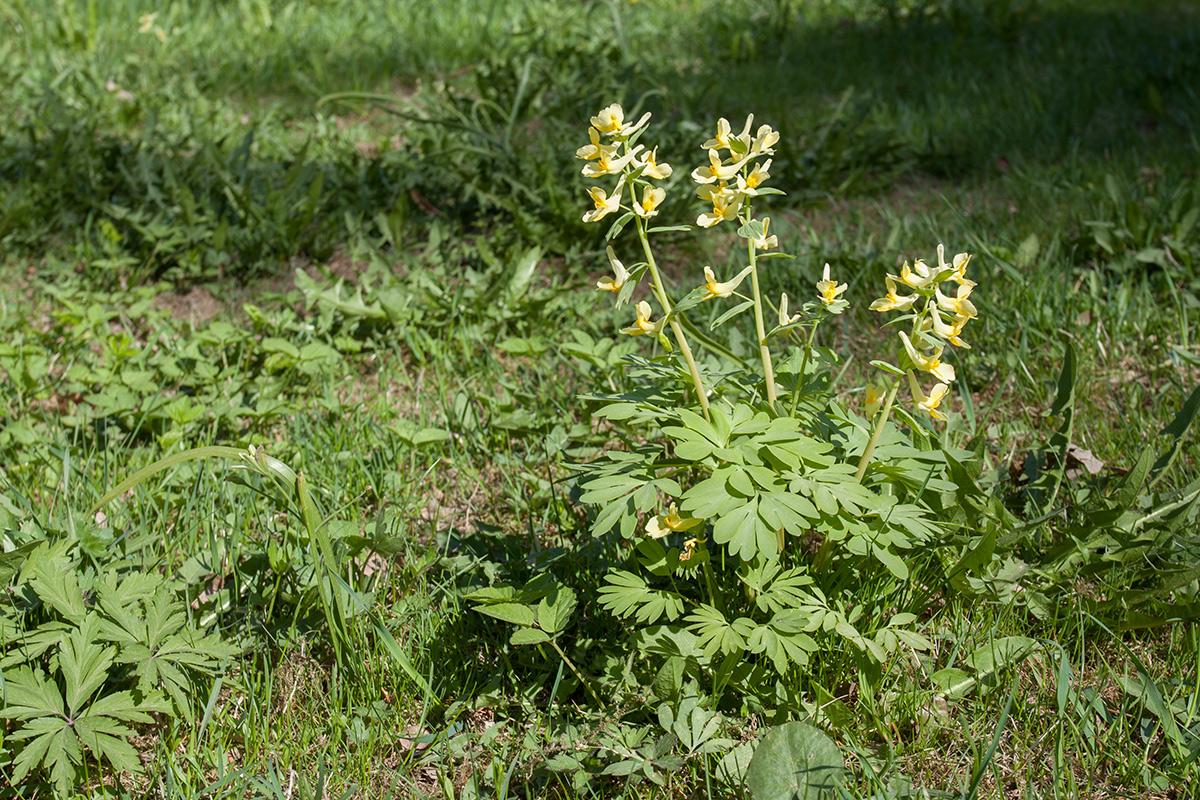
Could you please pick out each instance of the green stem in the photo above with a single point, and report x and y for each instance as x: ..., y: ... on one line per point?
x: 711, y: 585
x: 660, y: 292
x: 760, y: 329
x: 586, y: 683
x: 883, y: 418
x: 803, y: 369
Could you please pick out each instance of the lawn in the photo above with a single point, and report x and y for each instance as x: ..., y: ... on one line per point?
x: 328, y: 470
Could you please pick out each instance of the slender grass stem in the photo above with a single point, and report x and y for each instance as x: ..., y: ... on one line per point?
x: 587, y: 684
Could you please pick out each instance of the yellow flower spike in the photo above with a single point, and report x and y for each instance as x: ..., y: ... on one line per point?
x: 764, y: 141
x: 620, y: 275
x: 663, y: 524
x: 784, y: 319
x: 828, y: 290
x: 932, y: 364
x: 642, y: 325
x: 928, y: 402
x: 949, y: 332
x: 766, y: 242
x: 958, y: 305
x: 893, y: 301
x: 605, y: 203
x: 716, y: 169
x: 652, y: 169
x: 726, y: 203
x: 605, y: 164
x: 652, y: 197
x: 713, y: 289
x: 750, y: 183
x: 595, y: 149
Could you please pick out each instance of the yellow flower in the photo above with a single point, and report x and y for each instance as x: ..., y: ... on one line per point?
x: 724, y: 140
x: 873, y: 399
x: 689, y: 549
x: 713, y: 289
x: 146, y: 22
x: 958, y: 268
x: 605, y: 164
x: 605, y: 203
x: 764, y: 141
x: 828, y: 290
x: 642, y: 325
x: 652, y: 169
x: 663, y: 524
x: 893, y: 301
x: 620, y: 274
x: 595, y: 149
x: 765, y: 242
x: 652, y: 196
x: 611, y: 120
x: 721, y: 140
x: 928, y: 402
x: 750, y: 183
x: 784, y: 319
x: 918, y: 277
x: 932, y: 364
x: 716, y: 170
x: 958, y: 305
x: 949, y: 332
x: 726, y: 203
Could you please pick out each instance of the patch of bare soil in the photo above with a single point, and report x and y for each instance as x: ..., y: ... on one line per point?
x: 197, y: 304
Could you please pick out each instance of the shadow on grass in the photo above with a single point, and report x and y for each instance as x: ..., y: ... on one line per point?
x: 971, y: 85
x: 961, y: 92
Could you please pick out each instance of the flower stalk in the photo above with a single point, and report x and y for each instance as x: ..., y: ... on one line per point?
x: 884, y: 413
x: 660, y: 293
x: 759, y: 327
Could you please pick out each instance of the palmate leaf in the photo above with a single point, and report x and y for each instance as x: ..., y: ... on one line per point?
x: 783, y: 643
x: 747, y: 535
x: 775, y: 588
x: 162, y: 651
x: 55, y: 740
x: 715, y: 633
x: 627, y: 595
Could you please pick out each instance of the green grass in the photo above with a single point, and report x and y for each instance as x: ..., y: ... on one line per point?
x: 434, y: 415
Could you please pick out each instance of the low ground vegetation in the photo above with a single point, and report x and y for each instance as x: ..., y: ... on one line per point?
x: 326, y: 471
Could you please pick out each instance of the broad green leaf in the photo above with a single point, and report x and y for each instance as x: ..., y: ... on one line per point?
x: 953, y: 682
x: 555, y: 610
x: 515, y: 613
x: 893, y: 562
x: 991, y: 658
x: 795, y: 762
x: 528, y: 636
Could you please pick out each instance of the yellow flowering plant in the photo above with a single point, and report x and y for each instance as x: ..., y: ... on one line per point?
x: 750, y: 509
